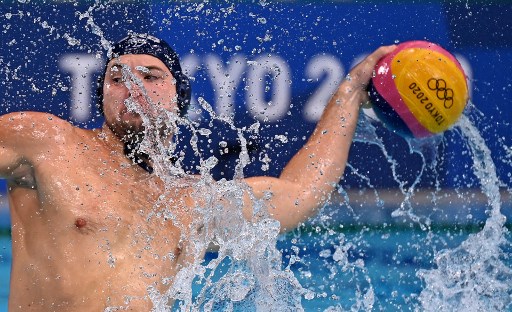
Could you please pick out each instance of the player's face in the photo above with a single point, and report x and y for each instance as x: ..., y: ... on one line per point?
x: 139, y: 79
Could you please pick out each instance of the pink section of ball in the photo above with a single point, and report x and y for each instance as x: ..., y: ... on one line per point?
x: 384, y: 84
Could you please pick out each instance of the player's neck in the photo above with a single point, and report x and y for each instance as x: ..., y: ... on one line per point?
x: 109, y: 138
x: 127, y: 148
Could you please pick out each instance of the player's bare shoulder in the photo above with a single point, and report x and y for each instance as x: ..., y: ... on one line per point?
x: 33, y: 127
x: 31, y: 139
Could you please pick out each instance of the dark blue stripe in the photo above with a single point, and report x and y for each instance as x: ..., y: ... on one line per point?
x: 387, y: 114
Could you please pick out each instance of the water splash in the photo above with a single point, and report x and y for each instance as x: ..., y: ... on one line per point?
x: 425, y: 149
x: 95, y: 29
x: 473, y: 276
x: 255, y: 279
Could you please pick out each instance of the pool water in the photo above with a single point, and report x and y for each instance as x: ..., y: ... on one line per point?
x: 383, y: 259
x: 380, y: 261
x: 5, y: 270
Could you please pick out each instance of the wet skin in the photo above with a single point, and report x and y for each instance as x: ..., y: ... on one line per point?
x: 83, y: 244
x: 82, y: 232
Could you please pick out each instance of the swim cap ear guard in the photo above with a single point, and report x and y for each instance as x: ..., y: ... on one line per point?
x: 147, y: 44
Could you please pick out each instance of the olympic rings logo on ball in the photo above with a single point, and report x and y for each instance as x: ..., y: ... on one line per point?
x: 443, y: 93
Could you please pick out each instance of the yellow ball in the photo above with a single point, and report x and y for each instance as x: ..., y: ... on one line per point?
x: 419, y: 89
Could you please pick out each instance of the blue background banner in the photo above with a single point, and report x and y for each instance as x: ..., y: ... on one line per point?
x: 271, y: 63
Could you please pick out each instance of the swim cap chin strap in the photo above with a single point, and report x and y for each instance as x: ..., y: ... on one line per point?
x: 147, y: 44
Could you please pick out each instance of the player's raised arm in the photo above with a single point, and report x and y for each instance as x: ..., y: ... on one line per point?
x: 312, y: 174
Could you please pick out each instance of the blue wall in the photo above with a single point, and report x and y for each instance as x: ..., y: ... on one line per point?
x: 37, y: 37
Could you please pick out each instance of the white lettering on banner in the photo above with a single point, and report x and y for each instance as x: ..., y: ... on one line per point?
x: 267, y: 89
x: 328, y: 66
x: 191, y: 64
x: 225, y: 80
x: 81, y: 67
x: 280, y: 86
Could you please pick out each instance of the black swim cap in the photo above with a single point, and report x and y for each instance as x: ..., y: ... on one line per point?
x: 147, y: 44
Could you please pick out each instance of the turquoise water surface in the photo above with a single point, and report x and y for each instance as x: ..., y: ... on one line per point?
x: 5, y: 268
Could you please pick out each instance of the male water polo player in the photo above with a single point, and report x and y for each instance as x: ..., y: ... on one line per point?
x: 79, y: 204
